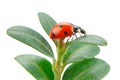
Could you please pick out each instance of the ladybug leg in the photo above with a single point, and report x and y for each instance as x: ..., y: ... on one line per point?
x: 80, y: 34
x: 68, y: 39
x: 75, y: 35
x: 72, y: 37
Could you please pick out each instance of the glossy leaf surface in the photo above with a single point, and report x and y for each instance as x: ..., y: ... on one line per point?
x: 91, y: 69
x: 37, y: 66
x: 91, y: 39
x: 79, y: 51
x: 31, y: 38
x: 47, y: 22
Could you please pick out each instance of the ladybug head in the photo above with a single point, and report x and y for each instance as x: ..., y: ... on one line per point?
x: 78, y: 29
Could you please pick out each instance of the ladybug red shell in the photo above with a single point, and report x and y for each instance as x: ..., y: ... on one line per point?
x: 61, y: 30
x: 64, y: 29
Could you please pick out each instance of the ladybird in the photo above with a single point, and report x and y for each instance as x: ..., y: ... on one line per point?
x: 65, y: 29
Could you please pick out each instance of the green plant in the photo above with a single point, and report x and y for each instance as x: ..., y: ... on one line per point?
x: 79, y: 54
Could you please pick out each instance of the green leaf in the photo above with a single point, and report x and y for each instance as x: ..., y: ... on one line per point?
x: 46, y: 21
x: 37, y: 66
x: 91, y: 39
x: 31, y: 38
x: 91, y: 69
x: 79, y: 51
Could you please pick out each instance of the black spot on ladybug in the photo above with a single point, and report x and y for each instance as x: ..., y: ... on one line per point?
x: 65, y: 33
x: 53, y: 34
x: 60, y: 26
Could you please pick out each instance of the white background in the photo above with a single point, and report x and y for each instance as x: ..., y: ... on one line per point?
x: 99, y: 17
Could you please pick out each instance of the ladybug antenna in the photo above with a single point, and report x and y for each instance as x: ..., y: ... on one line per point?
x: 78, y: 29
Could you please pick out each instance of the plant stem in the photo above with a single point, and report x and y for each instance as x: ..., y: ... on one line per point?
x: 57, y: 64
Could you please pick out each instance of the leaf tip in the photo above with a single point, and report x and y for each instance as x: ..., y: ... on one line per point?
x: 18, y: 57
x: 7, y: 31
x: 104, y: 43
x: 41, y: 13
